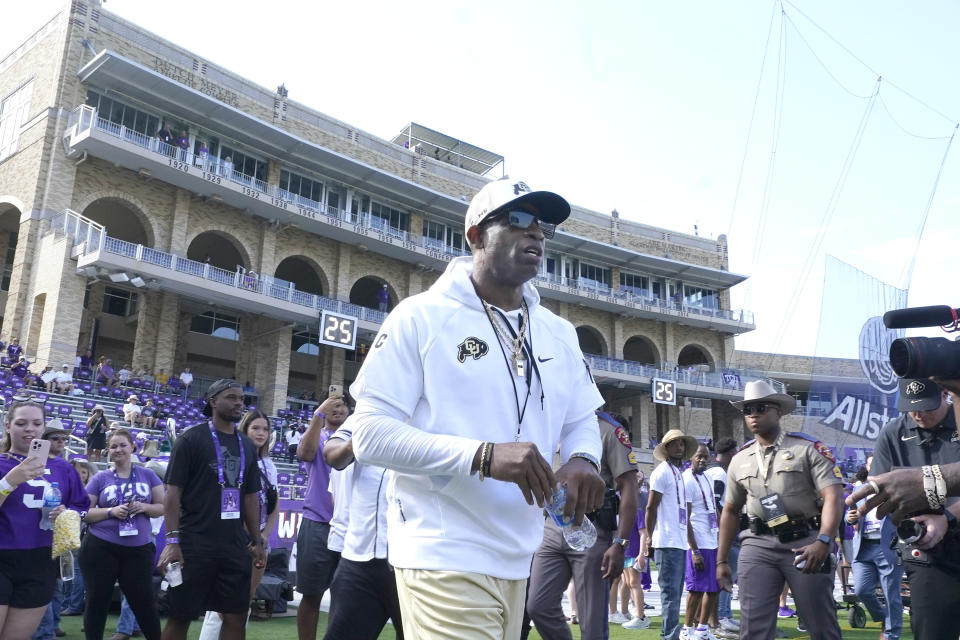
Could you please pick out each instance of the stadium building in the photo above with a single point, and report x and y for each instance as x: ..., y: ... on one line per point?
x: 166, y: 212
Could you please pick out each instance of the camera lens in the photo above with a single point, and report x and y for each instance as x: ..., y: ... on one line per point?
x: 925, y: 357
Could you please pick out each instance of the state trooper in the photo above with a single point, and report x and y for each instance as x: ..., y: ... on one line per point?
x: 793, y: 492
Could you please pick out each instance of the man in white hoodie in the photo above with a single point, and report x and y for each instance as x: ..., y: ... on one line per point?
x: 468, y: 381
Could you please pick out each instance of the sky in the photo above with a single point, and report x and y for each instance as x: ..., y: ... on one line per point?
x: 760, y: 120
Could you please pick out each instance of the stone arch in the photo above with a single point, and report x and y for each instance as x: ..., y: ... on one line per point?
x: 694, y: 354
x: 223, y: 249
x: 305, y: 274
x: 7, y: 201
x: 364, y: 292
x: 591, y: 340
x: 108, y: 208
x: 640, y: 348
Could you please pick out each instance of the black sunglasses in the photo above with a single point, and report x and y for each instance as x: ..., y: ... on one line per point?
x: 759, y: 408
x: 522, y: 220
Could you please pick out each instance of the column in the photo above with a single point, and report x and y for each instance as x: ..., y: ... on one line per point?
x: 616, y: 333
x: 167, y: 335
x: 62, y: 289
x: 267, y: 264
x: 669, y: 348
x: 178, y: 223
x: 416, y: 223
x: 341, y: 283
x: 272, y: 364
x: 23, y: 261
x: 148, y: 325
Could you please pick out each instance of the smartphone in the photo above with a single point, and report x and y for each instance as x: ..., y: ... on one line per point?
x: 39, y: 448
x: 336, y: 391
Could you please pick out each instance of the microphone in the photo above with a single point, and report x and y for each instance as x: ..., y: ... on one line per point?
x: 935, y: 316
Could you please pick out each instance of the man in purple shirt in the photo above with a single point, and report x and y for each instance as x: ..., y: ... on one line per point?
x: 316, y: 563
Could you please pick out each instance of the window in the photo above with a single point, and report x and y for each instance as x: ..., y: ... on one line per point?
x: 594, y: 274
x: 13, y: 113
x: 119, y: 302
x: 301, y: 186
x: 305, y: 342
x: 438, y: 235
x: 700, y: 297
x: 8, y: 261
x: 244, y: 163
x: 636, y: 284
x: 381, y: 214
x: 217, y: 325
x: 123, y: 115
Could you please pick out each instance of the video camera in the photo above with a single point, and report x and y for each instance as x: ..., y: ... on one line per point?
x: 924, y: 357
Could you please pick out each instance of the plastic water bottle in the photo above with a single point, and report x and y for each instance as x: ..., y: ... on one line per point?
x: 578, y: 537
x: 66, y: 566
x: 51, y: 500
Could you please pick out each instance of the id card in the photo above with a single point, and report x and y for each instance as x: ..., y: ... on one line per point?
x: 128, y: 528
x: 712, y: 519
x: 683, y: 516
x: 773, y: 511
x: 230, y: 504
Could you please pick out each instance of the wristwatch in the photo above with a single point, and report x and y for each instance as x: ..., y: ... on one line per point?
x: 620, y: 541
x: 825, y: 538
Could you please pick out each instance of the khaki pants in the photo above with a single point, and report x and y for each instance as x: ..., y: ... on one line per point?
x: 451, y: 605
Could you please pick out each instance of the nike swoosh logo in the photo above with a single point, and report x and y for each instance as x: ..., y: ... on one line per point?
x: 905, y: 439
x: 915, y: 401
x: 541, y: 359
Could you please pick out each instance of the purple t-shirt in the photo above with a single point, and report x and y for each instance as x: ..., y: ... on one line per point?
x: 633, y: 548
x: 20, y: 512
x: 318, y: 503
x: 14, y: 351
x: 104, y: 487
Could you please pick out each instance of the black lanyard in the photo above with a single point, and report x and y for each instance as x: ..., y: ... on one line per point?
x: 130, y: 485
x: 528, y: 352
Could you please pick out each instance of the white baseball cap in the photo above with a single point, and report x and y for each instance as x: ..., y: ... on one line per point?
x: 498, y: 194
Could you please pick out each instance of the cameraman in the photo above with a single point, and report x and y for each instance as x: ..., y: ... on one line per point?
x: 926, y: 434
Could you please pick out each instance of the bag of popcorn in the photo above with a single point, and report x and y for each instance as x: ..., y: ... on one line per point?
x: 66, y: 533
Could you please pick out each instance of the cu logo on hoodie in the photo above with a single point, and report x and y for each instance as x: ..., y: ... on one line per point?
x: 472, y: 347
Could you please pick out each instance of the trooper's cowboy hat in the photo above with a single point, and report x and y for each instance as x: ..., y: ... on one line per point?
x: 763, y: 391
x: 690, y: 445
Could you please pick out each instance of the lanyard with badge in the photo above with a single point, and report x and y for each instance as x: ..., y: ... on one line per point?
x: 229, y: 496
x: 773, y: 510
x: 711, y: 514
x: 128, y: 527
x: 678, y: 480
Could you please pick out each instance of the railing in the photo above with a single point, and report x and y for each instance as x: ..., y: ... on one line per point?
x: 85, y: 118
x: 82, y: 230
x: 732, y: 379
x: 271, y: 287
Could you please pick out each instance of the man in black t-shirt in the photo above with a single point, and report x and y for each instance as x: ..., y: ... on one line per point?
x: 210, y: 506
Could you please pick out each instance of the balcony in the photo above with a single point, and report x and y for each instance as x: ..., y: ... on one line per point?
x: 715, y: 385
x: 212, y: 178
x: 159, y: 270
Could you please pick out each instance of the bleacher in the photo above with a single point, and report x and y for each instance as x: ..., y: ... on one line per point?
x: 73, y: 411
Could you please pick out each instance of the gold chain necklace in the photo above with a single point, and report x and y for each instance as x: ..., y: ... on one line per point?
x: 515, y: 344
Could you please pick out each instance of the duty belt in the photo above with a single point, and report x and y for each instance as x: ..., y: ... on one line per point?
x: 793, y: 529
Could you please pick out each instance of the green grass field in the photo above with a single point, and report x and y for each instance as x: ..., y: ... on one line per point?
x: 286, y: 628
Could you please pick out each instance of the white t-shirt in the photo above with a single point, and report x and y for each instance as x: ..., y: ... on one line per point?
x: 131, y: 408
x: 667, y: 480
x: 340, y: 484
x: 64, y: 377
x: 700, y: 493
x: 718, y: 474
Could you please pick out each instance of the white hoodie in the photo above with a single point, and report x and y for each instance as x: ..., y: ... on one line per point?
x: 429, y: 394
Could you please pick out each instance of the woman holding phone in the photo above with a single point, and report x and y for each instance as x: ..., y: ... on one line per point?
x: 256, y: 426
x: 28, y: 576
x: 118, y: 546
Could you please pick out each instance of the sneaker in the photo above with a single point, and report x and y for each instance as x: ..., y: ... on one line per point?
x: 618, y: 618
x: 720, y: 632
x: 648, y: 607
x: 701, y: 634
x: 637, y: 623
x: 730, y: 624
x: 685, y: 633
x: 800, y: 626
x: 786, y: 612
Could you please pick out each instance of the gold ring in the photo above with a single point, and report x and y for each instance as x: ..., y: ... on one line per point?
x: 873, y: 485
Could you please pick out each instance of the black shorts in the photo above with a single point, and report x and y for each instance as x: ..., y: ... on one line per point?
x: 27, y: 577
x: 316, y: 563
x: 97, y: 441
x: 214, y: 579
